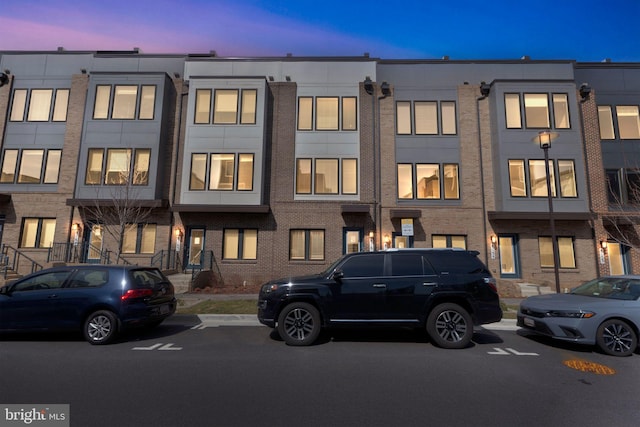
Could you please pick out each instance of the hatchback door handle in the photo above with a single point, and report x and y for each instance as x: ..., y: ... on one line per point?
x: 429, y: 284
x: 379, y: 285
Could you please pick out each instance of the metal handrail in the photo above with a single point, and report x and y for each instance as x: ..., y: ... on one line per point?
x: 16, y: 256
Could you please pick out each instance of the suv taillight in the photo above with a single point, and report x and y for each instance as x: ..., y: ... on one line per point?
x: 491, y: 281
x: 136, y: 293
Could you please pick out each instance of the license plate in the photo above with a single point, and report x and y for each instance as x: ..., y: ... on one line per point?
x: 529, y: 322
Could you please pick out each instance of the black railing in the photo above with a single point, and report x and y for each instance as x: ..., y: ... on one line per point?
x: 14, y: 260
x: 169, y: 260
x: 80, y: 253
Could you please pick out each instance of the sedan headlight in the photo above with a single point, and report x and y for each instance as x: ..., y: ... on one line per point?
x: 572, y: 314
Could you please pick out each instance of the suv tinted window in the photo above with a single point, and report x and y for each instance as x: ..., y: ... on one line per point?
x: 363, y: 266
x: 456, y: 262
x: 146, y: 278
x: 407, y: 265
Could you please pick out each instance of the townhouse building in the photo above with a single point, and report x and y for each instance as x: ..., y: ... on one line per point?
x: 252, y: 168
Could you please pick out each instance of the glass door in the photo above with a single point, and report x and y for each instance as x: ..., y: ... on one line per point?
x: 508, y: 250
x: 94, y: 250
x: 196, y: 246
x: 353, y: 240
x: 618, y: 263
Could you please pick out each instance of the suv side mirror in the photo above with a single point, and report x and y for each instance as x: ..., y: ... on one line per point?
x: 338, y: 275
x: 4, y: 290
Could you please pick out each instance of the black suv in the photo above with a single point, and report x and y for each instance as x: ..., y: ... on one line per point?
x: 445, y: 290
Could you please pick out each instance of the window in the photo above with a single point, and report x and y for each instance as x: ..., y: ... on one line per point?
x: 567, y: 175
x: 147, y: 103
x: 30, y: 166
x: 349, y: 176
x: 352, y: 239
x: 9, y: 164
x: 448, y: 241
x: 225, y: 107
x: 618, y: 255
x: 429, y: 118
x: 538, y: 178
x: 406, y: 264
x: 245, y: 172
x: 18, y: 106
x: 606, y: 122
x: 623, y: 186
x: 628, y: 121
x: 117, y: 168
x: 198, y: 171
x: 141, y: 166
x: 39, y: 105
x: 249, y: 104
x: 448, y: 117
x: 139, y: 239
x: 512, y: 110
x: 565, y: 252
x: 365, y: 265
x: 508, y: 251
x: 632, y: 184
x: 124, y: 102
x: 52, y: 166
x: 222, y: 171
x: 103, y: 98
x: 326, y: 176
x: 426, y: 118
x: 560, y: 111
x: 349, y: 113
x: 203, y: 106
x: 51, y: 280
x: 61, y: 105
x: 331, y: 113
x: 240, y: 244
x: 94, y: 166
x: 614, y: 186
x: 428, y: 181
x: 306, y: 245
x: 37, y: 232
x: 536, y: 110
x: 517, y: 178
x: 405, y: 181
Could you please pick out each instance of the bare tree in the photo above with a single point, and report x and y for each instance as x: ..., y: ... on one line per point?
x: 623, y: 219
x: 122, y: 209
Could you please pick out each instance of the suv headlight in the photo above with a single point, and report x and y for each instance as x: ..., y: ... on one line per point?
x: 572, y: 314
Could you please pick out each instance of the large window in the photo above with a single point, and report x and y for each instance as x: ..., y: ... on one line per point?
x: 432, y: 182
x: 567, y: 175
x: 117, y: 167
x: 538, y: 178
x: 565, y: 252
x: 536, y: 110
x: 326, y: 176
x: 517, y: 181
x: 623, y: 186
x: 240, y: 243
x: 448, y: 241
x: 37, y: 232
x: 537, y: 114
x: 561, y: 111
x: 326, y: 113
x: 512, y: 110
x: 40, y: 105
x: 139, y: 239
x: 221, y: 171
x: 306, y: 245
x: 129, y: 102
x: 628, y: 121
x: 33, y: 166
x: 230, y: 106
x: 426, y: 118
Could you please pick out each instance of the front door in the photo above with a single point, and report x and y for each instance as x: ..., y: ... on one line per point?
x: 195, y: 248
x: 94, y: 250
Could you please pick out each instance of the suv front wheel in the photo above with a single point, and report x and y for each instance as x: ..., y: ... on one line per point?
x: 450, y: 326
x: 299, y: 324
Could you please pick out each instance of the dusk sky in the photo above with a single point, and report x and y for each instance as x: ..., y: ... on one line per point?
x: 584, y: 30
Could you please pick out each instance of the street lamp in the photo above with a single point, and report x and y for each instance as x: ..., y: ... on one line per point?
x: 544, y: 138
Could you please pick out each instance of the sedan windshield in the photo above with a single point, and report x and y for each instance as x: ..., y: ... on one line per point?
x: 610, y: 287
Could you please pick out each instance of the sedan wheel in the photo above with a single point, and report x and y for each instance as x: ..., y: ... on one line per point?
x: 100, y: 327
x: 617, y: 338
x: 450, y: 326
x: 299, y: 324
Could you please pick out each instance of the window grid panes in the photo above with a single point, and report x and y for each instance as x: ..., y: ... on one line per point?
x: 428, y: 181
x: 147, y: 102
x: 306, y: 245
x: 561, y: 111
x: 538, y: 178
x: 249, y: 105
x: 240, y: 244
x: 512, y: 110
x: 567, y: 175
x: 225, y: 106
x: 18, y: 105
x: 9, y: 164
x: 565, y: 252
x: 245, y: 172
x: 628, y: 121
x: 327, y: 113
x: 536, y: 110
x: 39, y: 105
x: 61, y: 105
x: 30, y: 166
x: 326, y: 176
x: 203, y: 106
x: 124, y: 102
x: 117, y: 167
x: 52, y: 166
x: 517, y: 179
x: 141, y: 161
x: 37, y: 232
x: 103, y: 98
x: 426, y: 118
x: 94, y: 166
x: 605, y: 119
x: 222, y: 171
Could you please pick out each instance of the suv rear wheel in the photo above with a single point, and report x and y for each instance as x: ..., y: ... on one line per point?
x: 299, y: 324
x: 450, y: 326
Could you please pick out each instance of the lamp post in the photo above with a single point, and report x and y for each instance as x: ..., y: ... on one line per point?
x: 544, y: 138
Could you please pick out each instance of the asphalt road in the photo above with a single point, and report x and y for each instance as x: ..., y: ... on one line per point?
x: 189, y: 373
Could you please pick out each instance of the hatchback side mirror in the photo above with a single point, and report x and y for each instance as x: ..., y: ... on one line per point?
x: 338, y: 275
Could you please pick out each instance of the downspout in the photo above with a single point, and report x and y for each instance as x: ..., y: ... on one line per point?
x: 174, y: 167
x: 386, y: 91
x: 485, y: 89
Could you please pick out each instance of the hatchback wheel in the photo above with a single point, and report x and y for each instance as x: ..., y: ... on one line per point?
x: 450, y: 326
x: 617, y: 338
x: 299, y: 324
x: 100, y: 327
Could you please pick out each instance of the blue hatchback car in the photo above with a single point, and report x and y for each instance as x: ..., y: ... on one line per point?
x: 99, y: 300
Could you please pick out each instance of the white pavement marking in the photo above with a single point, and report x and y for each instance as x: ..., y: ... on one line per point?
x: 153, y: 347
x: 509, y: 352
x: 517, y: 353
x: 499, y: 352
x: 169, y: 347
x: 216, y: 320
